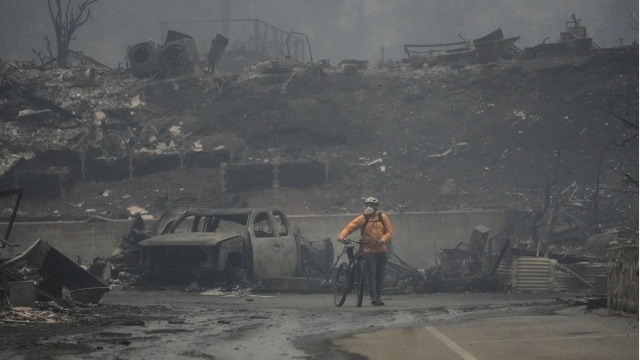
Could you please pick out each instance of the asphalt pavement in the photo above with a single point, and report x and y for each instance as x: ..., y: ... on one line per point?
x: 467, y: 326
x: 569, y: 334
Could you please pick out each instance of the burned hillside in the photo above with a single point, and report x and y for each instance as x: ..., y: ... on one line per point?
x: 312, y: 138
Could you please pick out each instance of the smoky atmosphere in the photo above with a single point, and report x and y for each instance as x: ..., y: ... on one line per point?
x: 337, y: 29
x: 337, y: 179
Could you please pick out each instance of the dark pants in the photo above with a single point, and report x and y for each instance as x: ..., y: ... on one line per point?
x: 375, y: 269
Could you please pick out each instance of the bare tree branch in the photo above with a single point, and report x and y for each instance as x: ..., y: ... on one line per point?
x: 551, y: 180
x: 632, y: 8
x: 45, y: 60
x: 66, y: 24
x: 625, y: 119
x: 628, y: 118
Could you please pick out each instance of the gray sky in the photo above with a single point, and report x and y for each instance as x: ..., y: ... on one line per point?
x: 337, y: 29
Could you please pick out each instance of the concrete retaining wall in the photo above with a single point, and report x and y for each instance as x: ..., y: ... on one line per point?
x: 72, y: 238
x: 417, y: 235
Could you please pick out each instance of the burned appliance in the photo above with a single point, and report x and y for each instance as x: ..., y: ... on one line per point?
x: 144, y: 59
x: 218, y: 44
x: 180, y: 56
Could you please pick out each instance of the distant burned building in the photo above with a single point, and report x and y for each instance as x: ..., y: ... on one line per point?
x: 227, y: 51
x: 491, y: 47
x: 573, y: 39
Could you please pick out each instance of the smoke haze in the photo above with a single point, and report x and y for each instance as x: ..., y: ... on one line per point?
x: 337, y: 29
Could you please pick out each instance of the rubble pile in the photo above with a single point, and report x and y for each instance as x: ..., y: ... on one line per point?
x: 49, y: 313
x: 96, y: 112
x: 439, y: 137
x: 102, y: 113
x: 48, y: 110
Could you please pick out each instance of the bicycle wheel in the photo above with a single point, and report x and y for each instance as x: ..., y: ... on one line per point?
x: 360, y: 281
x: 341, y: 284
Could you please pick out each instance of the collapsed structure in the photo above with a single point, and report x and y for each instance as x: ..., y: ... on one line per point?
x: 43, y: 273
x: 495, y: 47
x: 92, y: 123
x: 489, y: 48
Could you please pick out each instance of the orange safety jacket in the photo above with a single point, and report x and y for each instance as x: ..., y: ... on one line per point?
x: 374, y: 231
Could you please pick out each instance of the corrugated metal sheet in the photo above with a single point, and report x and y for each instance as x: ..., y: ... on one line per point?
x: 590, y: 271
x: 540, y: 274
x: 505, y: 268
x: 564, y: 282
x: 533, y: 274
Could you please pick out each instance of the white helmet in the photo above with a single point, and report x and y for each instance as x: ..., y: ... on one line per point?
x: 371, y: 200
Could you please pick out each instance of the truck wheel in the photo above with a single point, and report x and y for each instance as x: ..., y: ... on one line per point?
x: 234, y: 273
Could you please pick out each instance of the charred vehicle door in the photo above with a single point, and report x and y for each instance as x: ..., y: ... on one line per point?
x: 197, y: 246
x: 273, y: 245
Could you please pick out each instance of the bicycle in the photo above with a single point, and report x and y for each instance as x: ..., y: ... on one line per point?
x: 350, y: 275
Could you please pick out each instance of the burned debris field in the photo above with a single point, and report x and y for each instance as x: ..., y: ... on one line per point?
x: 548, y: 133
x: 481, y: 136
x: 202, y: 166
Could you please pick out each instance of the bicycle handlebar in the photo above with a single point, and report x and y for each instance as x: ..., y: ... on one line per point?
x: 349, y: 241
x: 361, y: 243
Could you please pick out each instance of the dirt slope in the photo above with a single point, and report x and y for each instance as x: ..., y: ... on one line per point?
x: 447, y: 138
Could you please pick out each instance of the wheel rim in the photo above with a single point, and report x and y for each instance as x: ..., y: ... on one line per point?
x: 340, y: 285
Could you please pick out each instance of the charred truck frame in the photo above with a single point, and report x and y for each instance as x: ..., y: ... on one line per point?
x: 210, y: 246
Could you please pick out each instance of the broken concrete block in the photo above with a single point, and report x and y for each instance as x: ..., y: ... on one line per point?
x: 35, y: 116
x: 135, y: 102
x: 66, y: 76
x: 134, y: 209
x: 349, y: 69
x: 376, y: 161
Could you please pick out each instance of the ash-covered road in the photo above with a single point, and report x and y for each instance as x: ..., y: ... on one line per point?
x: 236, y: 325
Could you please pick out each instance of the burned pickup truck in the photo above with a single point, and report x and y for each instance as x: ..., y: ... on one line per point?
x: 216, y: 246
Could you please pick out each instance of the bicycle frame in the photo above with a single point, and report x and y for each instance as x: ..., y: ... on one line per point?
x: 354, y: 271
x: 355, y: 258
x: 349, y: 250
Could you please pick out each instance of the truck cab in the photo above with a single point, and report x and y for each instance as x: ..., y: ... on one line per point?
x: 220, y: 245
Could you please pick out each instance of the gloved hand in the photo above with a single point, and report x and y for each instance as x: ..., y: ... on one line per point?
x: 341, y: 240
x: 380, y: 242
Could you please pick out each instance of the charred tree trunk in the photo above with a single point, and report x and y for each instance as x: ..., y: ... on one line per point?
x: 66, y: 20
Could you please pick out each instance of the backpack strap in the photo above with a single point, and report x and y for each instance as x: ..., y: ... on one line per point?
x: 366, y: 221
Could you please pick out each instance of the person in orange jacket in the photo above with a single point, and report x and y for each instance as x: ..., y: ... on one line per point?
x: 376, y: 231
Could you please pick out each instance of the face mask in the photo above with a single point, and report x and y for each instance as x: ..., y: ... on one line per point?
x: 369, y: 210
